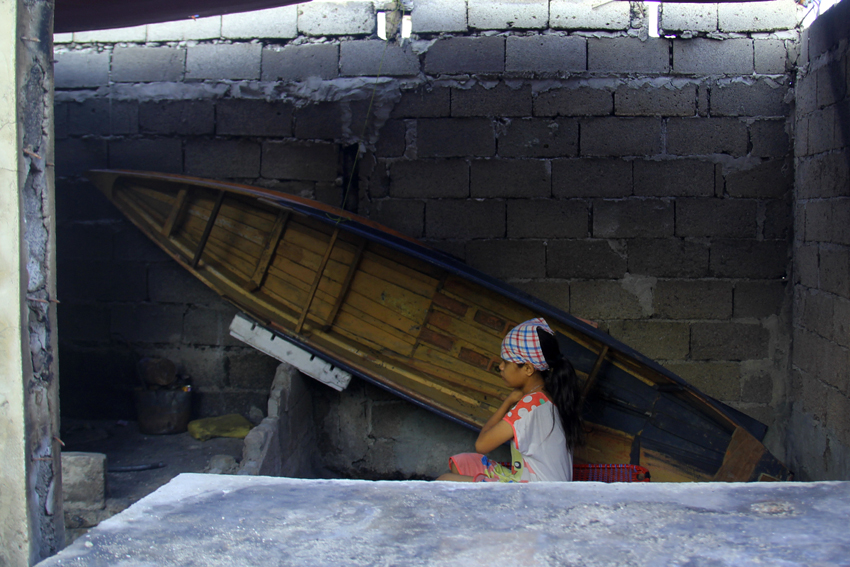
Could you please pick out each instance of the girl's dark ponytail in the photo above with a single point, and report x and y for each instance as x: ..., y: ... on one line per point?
x: 561, y: 382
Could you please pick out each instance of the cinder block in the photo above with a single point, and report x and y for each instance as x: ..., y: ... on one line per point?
x: 766, y: 259
x: 251, y: 370
x: 84, y: 481
x: 101, y: 281
x: 819, y: 221
x: 585, y: 259
x: 701, y: 56
x: 539, y: 137
x: 435, y: 16
x: 806, y: 93
x: 186, y: 30
x: 486, y: 15
x: 405, y: 216
x: 628, y: 55
x: 204, y: 326
x: 728, y: 341
x: 631, y: 218
x: 841, y: 321
x: 517, y: 258
x: 590, y: 177
x: 455, y: 137
x: 59, y: 38
x: 392, y: 139
x: 525, y: 178
x: 441, y: 179
x: 148, y: 323
x: 759, y: 98
x: 222, y: 158
x: 424, y: 102
x: 545, y: 53
x: 777, y: 220
x: 103, y: 117
x: 76, y: 156
x: 769, y: 138
x: 336, y: 18
x: 299, y: 62
x: 668, y: 258
x: 834, y: 270
x: 832, y: 82
x: 580, y: 101
x: 771, y: 56
x: 705, y: 136
x: 60, y: 119
x: 767, y: 180
x: 621, y: 136
x: 453, y: 55
x: 674, y: 178
x: 164, y: 154
x: 661, y: 340
x: 759, y: 299
x: 693, y: 299
x: 837, y: 416
x: 76, y: 69
x: 650, y: 100
x: 805, y: 260
x: 757, y: 16
x: 170, y: 283
x: 500, y: 100
x: 555, y: 293
x: 115, y: 35
x: 821, y: 133
x: 721, y: 380
x: 717, y: 218
x: 319, y: 121
x: 182, y: 117
x: 245, y: 117
x: 465, y: 219
x: 757, y: 388
x: 224, y: 61
x: 677, y: 17
x: 801, y: 139
x: 84, y: 241
x: 84, y: 322
x: 132, y: 246
x: 585, y: 15
x: 148, y: 64
x: 375, y: 57
x: 280, y: 22
x: 548, y: 218
x: 313, y: 162
x: 604, y: 300
x: 841, y: 221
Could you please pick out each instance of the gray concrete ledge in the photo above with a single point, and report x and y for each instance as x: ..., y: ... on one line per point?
x: 232, y: 520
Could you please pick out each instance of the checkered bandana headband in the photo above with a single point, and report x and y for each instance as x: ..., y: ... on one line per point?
x: 522, y: 344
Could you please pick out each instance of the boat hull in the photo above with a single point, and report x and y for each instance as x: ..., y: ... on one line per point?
x: 424, y: 325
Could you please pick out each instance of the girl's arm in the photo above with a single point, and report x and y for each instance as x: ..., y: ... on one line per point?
x: 495, y: 431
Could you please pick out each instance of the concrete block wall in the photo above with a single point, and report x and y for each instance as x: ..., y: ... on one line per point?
x: 818, y: 442
x: 644, y: 183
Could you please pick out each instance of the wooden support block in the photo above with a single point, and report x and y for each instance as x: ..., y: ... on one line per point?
x: 591, y: 378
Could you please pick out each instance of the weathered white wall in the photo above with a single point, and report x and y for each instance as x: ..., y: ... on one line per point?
x: 14, y: 526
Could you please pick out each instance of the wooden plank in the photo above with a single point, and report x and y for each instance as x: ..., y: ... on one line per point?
x: 471, y: 333
x: 410, y: 305
x: 268, y: 251
x: 591, y: 378
x: 176, y: 212
x: 316, y: 282
x: 474, y: 294
x: 207, y: 230
x: 345, y: 285
x: 741, y: 458
x: 399, y: 274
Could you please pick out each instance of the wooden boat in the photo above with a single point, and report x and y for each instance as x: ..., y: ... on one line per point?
x: 423, y: 324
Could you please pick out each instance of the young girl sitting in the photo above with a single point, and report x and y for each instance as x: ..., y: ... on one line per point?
x: 541, y: 417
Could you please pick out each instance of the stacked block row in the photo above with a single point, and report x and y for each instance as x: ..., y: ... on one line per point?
x: 820, y: 379
x: 642, y: 184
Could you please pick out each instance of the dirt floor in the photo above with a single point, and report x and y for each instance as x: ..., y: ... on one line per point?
x: 125, y: 446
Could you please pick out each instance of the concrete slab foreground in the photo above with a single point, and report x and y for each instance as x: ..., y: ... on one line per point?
x: 235, y: 520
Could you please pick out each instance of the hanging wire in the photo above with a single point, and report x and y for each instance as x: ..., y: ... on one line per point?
x: 368, y: 115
